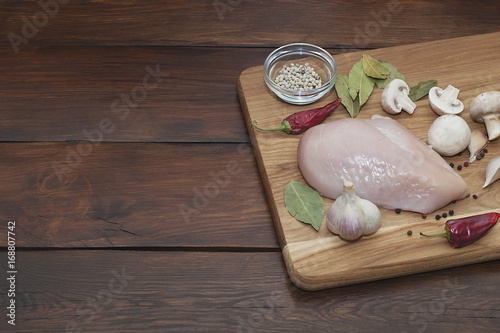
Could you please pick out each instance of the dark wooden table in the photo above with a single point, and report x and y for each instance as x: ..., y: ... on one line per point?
x: 129, y: 173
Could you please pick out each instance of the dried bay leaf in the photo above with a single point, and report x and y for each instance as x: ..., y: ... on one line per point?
x: 342, y: 88
x: 304, y: 203
x: 359, y: 83
x: 355, y: 78
x: 374, y: 68
x: 421, y: 89
x: 355, y: 106
x: 393, y: 74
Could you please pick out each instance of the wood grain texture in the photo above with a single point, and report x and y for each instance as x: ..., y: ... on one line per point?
x: 119, y: 195
x: 307, y: 251
x: 131, y: 291
x: 358, y: 23
x: 57, y: 93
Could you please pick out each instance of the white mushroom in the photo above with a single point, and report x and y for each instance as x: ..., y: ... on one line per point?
x: 395, y: 98
x: 445, y: 101
x: 449, y: 135
x: 485, y: 108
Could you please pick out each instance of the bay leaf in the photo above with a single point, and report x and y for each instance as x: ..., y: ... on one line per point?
x: 374, y: 68
x: 304, y: 203
x: 342, y: 88
x: 393, y: 74
x: 359, y: 83
x: 355, y: 107
x: 421, y: 89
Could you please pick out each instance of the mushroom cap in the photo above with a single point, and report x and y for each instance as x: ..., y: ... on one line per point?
x: 487, y: 103
x: 445, y: 101
x: 449, y: 135
x: 395, y: 98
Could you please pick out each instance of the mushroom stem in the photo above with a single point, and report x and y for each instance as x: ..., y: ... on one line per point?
x: 450, y: 94
x: 406, y: 104
x: 492, y: 123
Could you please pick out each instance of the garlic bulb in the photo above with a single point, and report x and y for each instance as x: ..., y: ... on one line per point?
x: 492, y: 171
x: 351, y: 217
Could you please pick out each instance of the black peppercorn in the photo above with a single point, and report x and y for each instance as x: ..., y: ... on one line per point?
x: 409, y: 232
x: 459, y: 167
x: 452, y: 165
x: 474, y: 196
x: 444, y: 215
x: 438, y: 217
x: 451, y: 212
x: 398, y: 211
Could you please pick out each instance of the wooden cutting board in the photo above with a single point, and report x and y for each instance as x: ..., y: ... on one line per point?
x: 318, y: 259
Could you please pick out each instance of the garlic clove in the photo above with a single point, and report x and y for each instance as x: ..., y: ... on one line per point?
x: 492, y: 171
x: 351, y: 224
x: 373, y: 217
x: 334, y: 215
x: 478, y: 141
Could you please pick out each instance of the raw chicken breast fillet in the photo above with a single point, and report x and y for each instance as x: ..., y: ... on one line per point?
x: 387, y: 163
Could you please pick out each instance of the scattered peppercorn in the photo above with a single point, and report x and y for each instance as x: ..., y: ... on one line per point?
x: 452, y: 165
x: 438, y: 217
x: 474, y: 196
x: 444, y: 215
x: 459, y: 167
x: 479, y: 157
x: 398, y: 211
x: 454, y: 202
x: 482, y: 154
x: 466, y: 164
x: 409, y: 232
x: 485, y: 150
x: 424, y: 216
x: 451, y: 212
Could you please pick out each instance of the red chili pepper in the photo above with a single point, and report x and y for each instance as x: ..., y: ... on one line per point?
x: 464, y: 231
x: 300, y: 122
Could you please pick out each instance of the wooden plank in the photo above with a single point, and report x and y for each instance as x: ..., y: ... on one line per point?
x: 389, y: 252
x: 119, y: 195
x: 57, y: 93
x: 359, y: 24
x: 130, y: 291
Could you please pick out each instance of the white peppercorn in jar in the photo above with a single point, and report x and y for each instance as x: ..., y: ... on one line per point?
x: 297, y: 77
x: 322, y: 65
